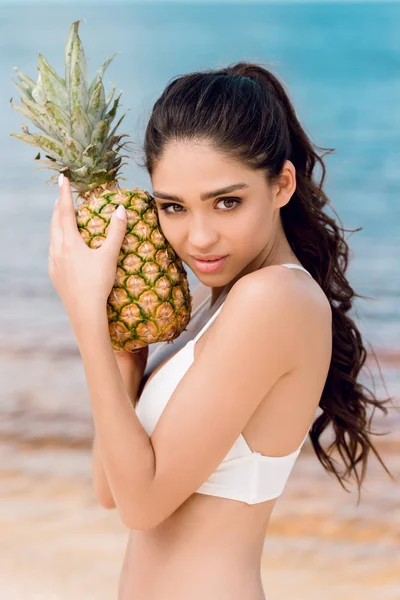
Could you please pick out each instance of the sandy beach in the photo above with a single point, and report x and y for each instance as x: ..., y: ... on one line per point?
x: 58, y: 543
x: 57, y: 540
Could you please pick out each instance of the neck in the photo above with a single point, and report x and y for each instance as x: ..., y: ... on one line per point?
x: 215, y: 294
x: 277, y: 253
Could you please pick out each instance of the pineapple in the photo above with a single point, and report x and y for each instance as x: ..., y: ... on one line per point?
x: 150, y: 301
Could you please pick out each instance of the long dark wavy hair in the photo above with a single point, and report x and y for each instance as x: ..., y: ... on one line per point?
x: 244, y: 112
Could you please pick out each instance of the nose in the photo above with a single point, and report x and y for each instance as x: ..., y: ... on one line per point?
x: 202, y: 235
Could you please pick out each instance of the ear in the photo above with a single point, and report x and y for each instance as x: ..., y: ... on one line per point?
x: 286, y: 185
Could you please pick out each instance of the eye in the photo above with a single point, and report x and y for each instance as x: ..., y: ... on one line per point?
x: 235, y: 200
x: 165, y: 207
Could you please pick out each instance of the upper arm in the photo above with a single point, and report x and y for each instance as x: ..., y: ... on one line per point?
x: 251, y: 346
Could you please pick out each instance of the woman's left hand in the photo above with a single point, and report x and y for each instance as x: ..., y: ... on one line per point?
x: 83, y: 277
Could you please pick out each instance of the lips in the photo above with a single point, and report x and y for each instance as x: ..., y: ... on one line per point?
x: 209, y: 258
x: 209, y: 266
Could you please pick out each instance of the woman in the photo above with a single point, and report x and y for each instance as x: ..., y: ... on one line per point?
x: 195, y: 471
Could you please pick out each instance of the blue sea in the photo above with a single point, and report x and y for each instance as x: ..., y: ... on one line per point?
x: 340, y: 63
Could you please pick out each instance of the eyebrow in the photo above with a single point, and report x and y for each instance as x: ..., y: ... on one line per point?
x: 206, y: 195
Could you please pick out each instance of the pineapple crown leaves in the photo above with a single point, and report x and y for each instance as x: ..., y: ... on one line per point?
x: 74, y: 118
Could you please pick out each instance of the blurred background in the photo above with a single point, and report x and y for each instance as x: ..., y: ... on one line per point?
x: 340, y: 63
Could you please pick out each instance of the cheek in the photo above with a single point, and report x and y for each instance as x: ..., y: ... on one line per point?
x: 252, y: 229
x: 170, y: 229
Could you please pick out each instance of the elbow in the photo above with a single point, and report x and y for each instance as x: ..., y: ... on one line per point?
x: 131, y: 516
x: 107, y: 503
x: 137, y: 509
x: 139, y: 517
x: 105, y: 500
x: 145, y: 519
x: 104, y: 497
x: 137, y: 522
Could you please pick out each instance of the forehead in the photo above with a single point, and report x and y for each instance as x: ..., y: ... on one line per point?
x: 189, y: 162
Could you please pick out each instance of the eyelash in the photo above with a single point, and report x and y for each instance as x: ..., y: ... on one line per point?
x: 237, y: 200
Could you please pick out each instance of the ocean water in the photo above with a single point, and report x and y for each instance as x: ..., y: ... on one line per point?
x: 340, y: 64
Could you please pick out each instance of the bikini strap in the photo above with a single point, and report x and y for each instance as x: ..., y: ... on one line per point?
x: 294, y: 266
x: 207, y: 325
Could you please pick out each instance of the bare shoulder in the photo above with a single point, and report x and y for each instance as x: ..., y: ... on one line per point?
x: 277, y: 299
x: 286, y: 284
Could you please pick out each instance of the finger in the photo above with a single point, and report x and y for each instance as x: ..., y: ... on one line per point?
x: 67, y: 209
x: 115, y: 233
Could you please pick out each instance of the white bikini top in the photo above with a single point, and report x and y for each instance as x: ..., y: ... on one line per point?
x: 243, y: 475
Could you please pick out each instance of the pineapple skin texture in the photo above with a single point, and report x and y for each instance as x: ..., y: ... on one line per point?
x: 150, y: 301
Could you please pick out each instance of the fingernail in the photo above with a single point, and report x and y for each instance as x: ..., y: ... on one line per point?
x: 120, y: 212
x: 61, y: 179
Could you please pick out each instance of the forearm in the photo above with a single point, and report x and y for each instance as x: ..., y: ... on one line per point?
x: 101, y: 486
x: 124, y: 445
x: 131, y: 369
x: 132, y: 381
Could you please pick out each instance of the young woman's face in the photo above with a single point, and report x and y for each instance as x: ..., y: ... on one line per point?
x: 239, y: 224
